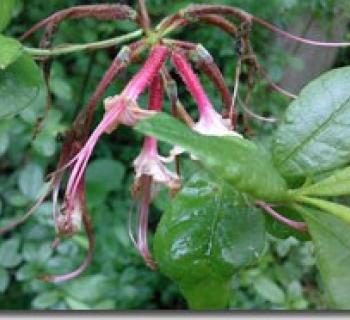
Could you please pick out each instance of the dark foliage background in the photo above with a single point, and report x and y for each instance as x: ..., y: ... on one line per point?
x: 285, y: 278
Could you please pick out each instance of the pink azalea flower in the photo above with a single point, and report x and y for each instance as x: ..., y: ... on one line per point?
x: 119, y: 109
x: 149, y: 169
x: 210, y: 122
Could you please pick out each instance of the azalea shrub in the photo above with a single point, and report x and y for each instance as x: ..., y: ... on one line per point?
x: 228, y: 192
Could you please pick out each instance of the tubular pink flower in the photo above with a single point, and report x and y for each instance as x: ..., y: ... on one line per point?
x: 149, y: 169
x: 149, y: 162
x: 210, y: 122
x: 119, y: 109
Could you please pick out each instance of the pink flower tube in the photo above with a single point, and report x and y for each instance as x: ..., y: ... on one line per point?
x: 149, y: 169
x: 119, y: 109
x: 210, y: 122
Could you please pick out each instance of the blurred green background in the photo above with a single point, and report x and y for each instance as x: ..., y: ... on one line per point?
x: 285, y: 278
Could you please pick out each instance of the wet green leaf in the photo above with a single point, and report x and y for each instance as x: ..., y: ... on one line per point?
x: 209, y: 233
x: 239, y: 162
x: 314, y: 135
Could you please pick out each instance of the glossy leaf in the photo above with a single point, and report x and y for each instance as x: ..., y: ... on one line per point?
x: 314, y: 135
x: 19, y: 85
x: 10, y: 51
x: 6, y: 7
x: 209, y: 232
x: 331, y: 237
x: 238, y: 161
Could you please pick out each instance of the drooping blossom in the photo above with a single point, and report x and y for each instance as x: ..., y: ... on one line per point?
x: 210, y: 122
x: 150, y: 170
x: 120, y: 109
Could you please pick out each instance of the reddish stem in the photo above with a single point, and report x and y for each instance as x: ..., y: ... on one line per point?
x: 300, y: 226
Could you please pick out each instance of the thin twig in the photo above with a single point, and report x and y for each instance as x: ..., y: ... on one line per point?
x: 98, y: 11
x: 70, y: 48
x: 254, y: 115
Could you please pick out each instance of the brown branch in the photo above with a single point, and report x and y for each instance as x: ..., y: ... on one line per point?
x: 219, y: 22
x: 98, y: 11
x: 197, y: 10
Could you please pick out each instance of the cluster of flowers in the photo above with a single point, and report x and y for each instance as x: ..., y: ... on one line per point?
x: 150, y: 167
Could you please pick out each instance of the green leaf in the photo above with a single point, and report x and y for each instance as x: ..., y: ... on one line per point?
x: 4, y: 279
x: 19, y: 85
x: 237, y: 161
x: 80, y: 289
x: 6, y: 7
x: 9, y: 256
x: 209, y: 233
x: 338, y: 210
x: 45, y: 300
x: 75, y: 304
x: 314, y: 135
x: 31, y: 180
x: 332, y: 242
x: 10, y: 51
x: 269, y: 290
x: 337, y: 184
x: 27, y: 271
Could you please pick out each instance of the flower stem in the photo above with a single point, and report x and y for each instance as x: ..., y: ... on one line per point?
x: 81, y: 47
